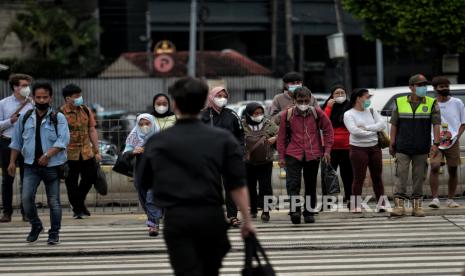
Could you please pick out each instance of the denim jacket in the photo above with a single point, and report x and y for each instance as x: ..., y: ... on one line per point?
x: 23, y: 139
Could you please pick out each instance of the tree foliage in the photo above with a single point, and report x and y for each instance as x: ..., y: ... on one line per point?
x: 56, y: 35
x: 414, y: 24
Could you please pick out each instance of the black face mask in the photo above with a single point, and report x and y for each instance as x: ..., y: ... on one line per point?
x: 43, y: 106
x: 444, y: 92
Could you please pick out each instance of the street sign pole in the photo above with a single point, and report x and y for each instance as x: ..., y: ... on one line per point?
x: 192, y: 39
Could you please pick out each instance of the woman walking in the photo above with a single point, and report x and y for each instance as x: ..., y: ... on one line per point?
x: 335, y: 107
x: 218, y: 115
x: 135, y: 143
x: 164, y: 117
x: 260, y: 135
x: 363, y: 124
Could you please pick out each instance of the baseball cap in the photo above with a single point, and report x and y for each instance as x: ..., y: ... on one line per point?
x: 417, y: 79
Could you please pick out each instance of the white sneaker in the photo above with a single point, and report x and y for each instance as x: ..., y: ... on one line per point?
x: 452, y: 204
x: 435, y: 203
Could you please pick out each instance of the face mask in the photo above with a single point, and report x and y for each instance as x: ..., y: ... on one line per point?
x: 161, y: 109
x: 25, y: 91
x: 220, y: 102
x: 303, y: 107
x: 78, y: 102
x: 366, y: 104
x: 145, y: 129
x: 444, y: 92
x: 43, y: 106
x: 421, y: 91
x: 340, y: 99
x: 258, y: 119
x: 293, y: 87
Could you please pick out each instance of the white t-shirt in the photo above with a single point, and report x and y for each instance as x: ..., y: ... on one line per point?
x: 452, y: 113
x: 363, y: 127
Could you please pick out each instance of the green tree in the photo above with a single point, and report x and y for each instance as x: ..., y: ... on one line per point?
x: 55, y: 34
x: 416, y: 24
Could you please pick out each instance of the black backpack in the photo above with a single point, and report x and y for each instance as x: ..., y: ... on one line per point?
x: 53, y: 119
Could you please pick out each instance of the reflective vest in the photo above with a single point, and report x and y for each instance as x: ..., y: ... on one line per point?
x: 414, y: 126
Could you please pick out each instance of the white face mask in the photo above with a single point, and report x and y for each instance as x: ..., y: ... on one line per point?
x: 257, y: 119
x: 145, y: 129
x: 220, y: 102
x: 161, y: 109
x: 303, y: 107
x: 25, y: 91
x: 340, y: 99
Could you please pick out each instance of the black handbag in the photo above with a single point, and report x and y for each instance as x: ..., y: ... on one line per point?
x: 124, y: 164
x: 252, y: 248
x: 63, y: 171
x: 100, y: 184
x: 330, y: 179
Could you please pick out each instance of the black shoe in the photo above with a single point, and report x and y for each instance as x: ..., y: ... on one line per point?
x: 53, y: 238
x: 309, y: 219
x: 34, y: 234
x: 154, y: 231
x: 85, y: 211
x: 265, y: 217
x: 78, y: 215
x: 295, y: 218
x: 5, y: 218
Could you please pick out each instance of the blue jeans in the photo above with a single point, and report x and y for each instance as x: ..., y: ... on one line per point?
x: 32, y: 177
x: 146, y: 201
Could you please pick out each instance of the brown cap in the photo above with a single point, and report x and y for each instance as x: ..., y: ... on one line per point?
x: 416, y: 79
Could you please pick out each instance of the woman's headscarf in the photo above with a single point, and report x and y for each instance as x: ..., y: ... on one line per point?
x: 167, y: 113
x: 136, y: 138
x: 212, y: 95
x: 249, y: 110
x: 338, y: 110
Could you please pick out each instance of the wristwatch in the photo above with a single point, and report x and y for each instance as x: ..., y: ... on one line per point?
x: 46, y: 155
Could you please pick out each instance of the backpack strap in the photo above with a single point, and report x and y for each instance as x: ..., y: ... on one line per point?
x: 53, y: 119
x: 27, y: 115
x: 289, y: 113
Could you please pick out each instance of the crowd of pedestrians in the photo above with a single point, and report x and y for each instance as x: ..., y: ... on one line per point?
x: 344, y: 133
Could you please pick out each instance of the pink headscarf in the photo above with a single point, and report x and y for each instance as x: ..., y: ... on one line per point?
x: 215, y: 90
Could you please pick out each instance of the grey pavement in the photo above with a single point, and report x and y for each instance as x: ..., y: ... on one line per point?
x: 337, y: 244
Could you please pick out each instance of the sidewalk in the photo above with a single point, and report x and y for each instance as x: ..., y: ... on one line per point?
x: 99, y: 217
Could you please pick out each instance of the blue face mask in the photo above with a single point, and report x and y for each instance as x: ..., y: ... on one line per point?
x: 293, y: 87
x: 366, y: 104
x: 421, y: 91
x: 78, y: 102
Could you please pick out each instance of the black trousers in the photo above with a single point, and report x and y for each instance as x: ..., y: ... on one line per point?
x: 261, y: 174
x: 341, y: 159
x: 7, y: 180
x: 196, y: 239
x: 294, y: 170
x: 78, y: 190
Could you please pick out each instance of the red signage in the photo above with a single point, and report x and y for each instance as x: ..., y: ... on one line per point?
x: 163, y: 63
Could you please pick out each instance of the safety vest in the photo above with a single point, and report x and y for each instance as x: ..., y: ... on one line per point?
x: 414, y: 126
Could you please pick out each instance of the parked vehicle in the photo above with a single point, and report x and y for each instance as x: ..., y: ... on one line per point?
x: 108, y: 151
x: 383, y: 100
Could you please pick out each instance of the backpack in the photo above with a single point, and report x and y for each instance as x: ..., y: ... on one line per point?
x: 53, y: 119
x: 289, y: 113
x: 257, y: 150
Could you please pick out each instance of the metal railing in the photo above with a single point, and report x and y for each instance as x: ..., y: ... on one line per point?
x: 122, y: 196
